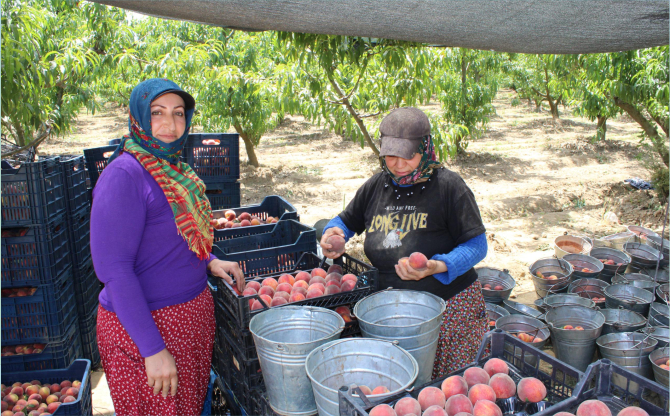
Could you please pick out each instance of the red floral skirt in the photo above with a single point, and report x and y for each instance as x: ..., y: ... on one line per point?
x: 463, y: 329
x: 188, y: 331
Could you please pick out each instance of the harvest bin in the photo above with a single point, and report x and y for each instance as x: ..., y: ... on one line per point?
x: 559, y: 378
x: 79, y: 370
x: 223, y: 195
x: 96, y: 161
x: 73, y: 169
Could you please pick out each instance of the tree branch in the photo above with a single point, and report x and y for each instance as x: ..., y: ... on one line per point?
x: 34, y: 143
x: 658, y: 142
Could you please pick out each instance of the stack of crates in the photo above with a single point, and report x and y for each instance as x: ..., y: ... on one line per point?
x: 215, y: 158
x: 86, y: 284
x: 40, y: 328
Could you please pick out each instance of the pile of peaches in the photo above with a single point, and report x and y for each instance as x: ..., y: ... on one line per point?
x: 37, y: 399
x: 22, y: 349
x: 294, y: 288
x: 18, y: 292
x: 232, y: 220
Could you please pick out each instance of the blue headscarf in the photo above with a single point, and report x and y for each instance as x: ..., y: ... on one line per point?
x: 139, y: 119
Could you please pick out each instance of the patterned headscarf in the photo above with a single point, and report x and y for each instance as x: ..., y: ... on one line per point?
x: 183, y: 189
x: 424, y: 170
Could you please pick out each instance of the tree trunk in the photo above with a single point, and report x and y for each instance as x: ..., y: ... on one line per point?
x: 601, y: 133
x: 359, y: 121
x: 538, y: 105
x: 657, y: 141
x: 248, y: 144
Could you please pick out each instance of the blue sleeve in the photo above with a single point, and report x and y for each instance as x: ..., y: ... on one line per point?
x: 337, y: 222
x: 462, y: 258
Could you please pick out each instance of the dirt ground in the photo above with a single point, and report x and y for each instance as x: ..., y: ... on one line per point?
x: 534, y: 178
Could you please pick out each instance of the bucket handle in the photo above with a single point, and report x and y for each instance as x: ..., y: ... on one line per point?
x: 395, y: 342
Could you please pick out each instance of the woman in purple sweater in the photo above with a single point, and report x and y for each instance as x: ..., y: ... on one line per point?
x: 151, y: 243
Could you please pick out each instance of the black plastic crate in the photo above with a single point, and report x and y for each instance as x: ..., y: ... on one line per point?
x: 56, y: 354
x: 73, y: 169
x: 79, y: 231
x: 89, y: 339
x: 260, y: 404
x: 78, y: 370
x: 224, y: 401
x: 96, y: 161
x: 598, y: 384
x: 238, y: 369
x: 214, y: 157
x: 87, y: 287
x: 368, y: 283
x: 33, y: 194
x: 223, y: 195
x: 45, y: 316
x: 35, y: 255
x: 522, y: 359
x: 272, y: 206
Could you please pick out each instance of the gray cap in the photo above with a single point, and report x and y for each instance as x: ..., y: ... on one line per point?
x: 401, y: 132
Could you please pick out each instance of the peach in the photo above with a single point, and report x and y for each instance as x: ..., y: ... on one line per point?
x: 37, y: 397
x: 593, y: 408
x: 418, y: 261
x: 318, y: 286
x: 284, y: 295
x: 267, y: 291
x: 458, y: 403
x: 435, y: 411
x: 254, y: 285
x: 304, y: 276
x: 51, y: 399
x: 382, y: 410
x: 463, y: 414
x: 454, y: 385
x: 35, y: 412
x: 65, y: 383
x: 266, y: 299
x: 255, y: 221
x: 498, y: 288
x: 331, y: 290
x: 230, y: 215
x: 296, y: 297
x: 18, y: 391
x: 579, y: 328
x: 32, y: 389
x: 52, y: 407
x: 476, y: 375
x: 25, y: 385
x: 314, y: 293
x: 319, y: 272
x: 19, y: 409
x: 380, y: 390
x: 564, y: 414
x: 486, y: 408
x: 335, y: 268
x: 481, y: 392
x: 531, y: 389
x: 407, y: 405
x: 286, y: 278
x: 249, y: 291
x: 366, y: 390
x: 301, y: 290
x: 317, y: 279
x: 301, y: 283
x: 3, y: 405
x: 271, y: 282
x: 349, y: 276
x: 632, y: 411
x: 503, y: 386
x: 337, y: 243
x: 284, y: 287
x: 495, y: 366
x: 431, y: 396
x: 69, y: 399
x: 334, y: 276
x: 7, y: 413
x: 11, y: 399
x: 245, y: 223
x: 32, y: 405
x: 333, y: 283
x: 568, y: 327
x: 347, y: 286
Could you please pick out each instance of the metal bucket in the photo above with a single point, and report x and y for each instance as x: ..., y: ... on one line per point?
x: 410, y: 317
x: 659, y: 244
x: 284, y: 337
x: 515, y: 324
x: 631, y: 351
x: 642, y: 255
x: 570, y: 244
x: 660, y: 334
x: 591, y: 289
x: 615, y: 241
x: 572, y: 346
x: 641, y: 232
x: 554, y: 301
x: 516, y: 308
x: 660, y: 374
x: 584, y: 266
x: 495, y: 277
x: 622, y: 320
x: 630, y: 297
x: 360, y: 361
x: 495, y: 312
x: 662, y: 276
x: 539, y: 304
x: 658, y: 312
x: 551, y: 267
x: 662, y: 293
x: 604, y: 254
x: 635, y: 279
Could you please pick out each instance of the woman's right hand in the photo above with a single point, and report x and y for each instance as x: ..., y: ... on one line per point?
x: 326, y: 247
x: 162, y: 373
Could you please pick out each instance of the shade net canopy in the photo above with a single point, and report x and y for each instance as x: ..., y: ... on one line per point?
x: 525, y: 26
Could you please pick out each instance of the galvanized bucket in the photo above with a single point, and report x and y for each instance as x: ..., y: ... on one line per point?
x: 516, y: 324
x: 660, y: 334
x: 630, y: 297
x: 495, y: 277
x: 554, y: 301
x: 605, y: 254
x: 591, y: 289
x: 656, y: 357
x: 642, y: 255
x: 615, y: 241
x: 410, y: 317
x: 641, y: 232
x: 516, y: 308
x: 360, y: 361
x: 658, y: 313
x: 635, y: 279
x: 584, y: 266
x: 662, y: 293
x: 284, y: 337
x: 659, y: 244
x: 570, y: 244
x: 622, y: 320
x: 631, y: 351
x: 549, y: 267
x: 662, y: 276
x: 495, y: 312
x: 573, y: 346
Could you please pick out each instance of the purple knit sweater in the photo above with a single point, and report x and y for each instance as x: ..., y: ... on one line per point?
x: 138, y: 254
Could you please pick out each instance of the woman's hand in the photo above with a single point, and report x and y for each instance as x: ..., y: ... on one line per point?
x: 326, y: 247
x: 406, y: 272
x: 162, y: 373
x: 224, y: 269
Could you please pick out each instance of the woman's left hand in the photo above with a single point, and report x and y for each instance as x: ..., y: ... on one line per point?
x: 224, y: 269
x: 406, y: 272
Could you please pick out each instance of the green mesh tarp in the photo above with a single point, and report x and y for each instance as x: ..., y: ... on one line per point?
x: 559, y: 26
